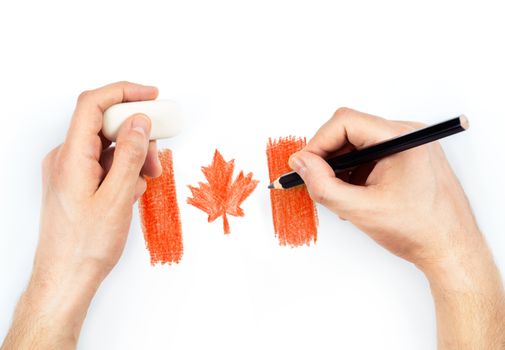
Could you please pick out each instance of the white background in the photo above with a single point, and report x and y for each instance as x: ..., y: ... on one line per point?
x: 245, y: 71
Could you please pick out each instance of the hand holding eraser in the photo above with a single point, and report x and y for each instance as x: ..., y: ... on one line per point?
x: 165, y: 115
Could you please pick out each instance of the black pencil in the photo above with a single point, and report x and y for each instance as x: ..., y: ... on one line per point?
x: 383, y: 149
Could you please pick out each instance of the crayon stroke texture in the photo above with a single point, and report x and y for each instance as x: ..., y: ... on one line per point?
x: 294, y: 213
x: 220, y: 196
x: 159, y: 214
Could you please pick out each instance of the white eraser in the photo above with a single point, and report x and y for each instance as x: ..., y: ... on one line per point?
x: 165, y: 115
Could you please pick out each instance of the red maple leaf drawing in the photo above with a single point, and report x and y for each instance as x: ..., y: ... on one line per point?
x: 220, y: 196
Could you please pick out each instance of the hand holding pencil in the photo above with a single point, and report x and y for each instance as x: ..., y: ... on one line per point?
x: 410, y: 202
x: 360, y: 157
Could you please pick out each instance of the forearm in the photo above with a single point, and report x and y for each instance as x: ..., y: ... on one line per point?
x: 50, y: 313
x: 32, y: 329
x: 469, y: 300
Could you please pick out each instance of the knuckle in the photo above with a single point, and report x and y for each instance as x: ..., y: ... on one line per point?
x: 48, y: 160
x: 418, y: 125
x: 123, y: 83
x: 421, y: 153
x: 62, y: 158
x: 401, y: 128
x: 411, y: 124
x: 45, y: 169
x: 85, y: 97
x: 406, y: 128
x: 341, y: 112
x: 47, y: 164
x: 61, y: 164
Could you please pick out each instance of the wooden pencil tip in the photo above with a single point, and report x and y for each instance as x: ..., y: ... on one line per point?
x: 276, y: 185
x: 464, y: 121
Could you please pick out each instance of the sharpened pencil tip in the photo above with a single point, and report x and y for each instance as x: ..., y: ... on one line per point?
x: 270, y: 186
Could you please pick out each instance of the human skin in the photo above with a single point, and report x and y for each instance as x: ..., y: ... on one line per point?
x: 88, y: 192
x: 410, y: 203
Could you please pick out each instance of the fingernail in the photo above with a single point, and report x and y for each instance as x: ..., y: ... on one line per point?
x: 141, y: 124
x: 297, y: 164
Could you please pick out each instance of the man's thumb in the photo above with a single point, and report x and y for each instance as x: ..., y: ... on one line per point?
x: 323, y: 186
x: 129, y: 156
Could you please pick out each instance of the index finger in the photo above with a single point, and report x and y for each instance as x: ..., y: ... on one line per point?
x: 88, y: 115
x: 350, y: 126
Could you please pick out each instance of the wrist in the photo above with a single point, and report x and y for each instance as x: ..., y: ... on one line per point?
x: 59, y: 299
x: 466, y: 268
x: 40, y: 319
x: 468, y: 296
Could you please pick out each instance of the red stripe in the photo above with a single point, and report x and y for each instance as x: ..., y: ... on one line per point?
x: 293, y: 211
x: 160, y: 217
